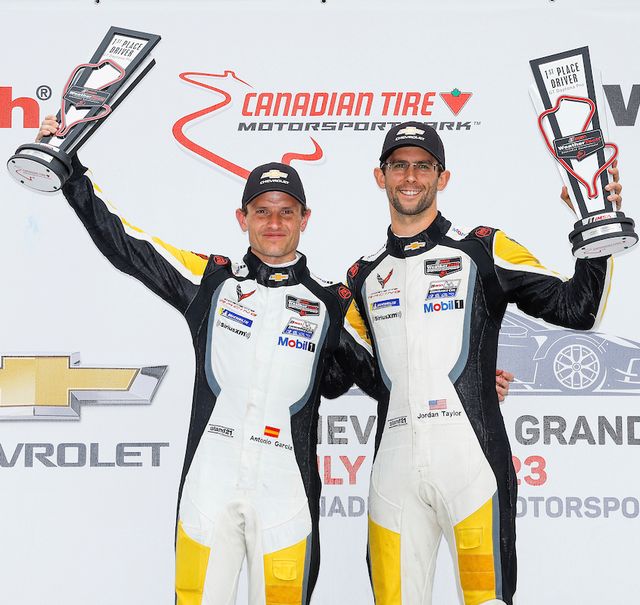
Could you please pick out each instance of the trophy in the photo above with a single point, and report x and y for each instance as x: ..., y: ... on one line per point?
x: 564, y: 97
x: 91, y: 93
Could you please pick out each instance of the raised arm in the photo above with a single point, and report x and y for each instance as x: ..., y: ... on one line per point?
x: 576, y: 303
x: 171, y: 273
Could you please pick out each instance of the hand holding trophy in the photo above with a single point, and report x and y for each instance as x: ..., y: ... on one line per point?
x: 91, y: 93
x: 565, y: 99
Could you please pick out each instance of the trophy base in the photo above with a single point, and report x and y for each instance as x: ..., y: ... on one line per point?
x: 603, y: 234
x: 40, y: 167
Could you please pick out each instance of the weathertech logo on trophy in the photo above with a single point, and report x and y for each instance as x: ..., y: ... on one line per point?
x: 53, y: 387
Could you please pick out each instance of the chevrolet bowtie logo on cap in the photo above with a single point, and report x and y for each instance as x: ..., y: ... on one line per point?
x: 415, y: 246
x: 278, y: 277
x: 52, y: 387
x: 274, y: 174
x: 410, y: 131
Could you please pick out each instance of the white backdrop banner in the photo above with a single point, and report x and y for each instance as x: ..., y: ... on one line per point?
x: 89, y: 490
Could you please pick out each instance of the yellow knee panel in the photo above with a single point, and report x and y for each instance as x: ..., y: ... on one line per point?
x: 284, y: 574
x: 384, y: 555
x: 475, y: 547
x: 192, y: 559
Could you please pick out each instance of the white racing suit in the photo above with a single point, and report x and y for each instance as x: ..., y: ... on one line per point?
x: 430, y: 307
x: 266, y: 341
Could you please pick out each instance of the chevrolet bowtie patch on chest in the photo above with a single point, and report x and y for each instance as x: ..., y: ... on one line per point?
x: 278, y: 277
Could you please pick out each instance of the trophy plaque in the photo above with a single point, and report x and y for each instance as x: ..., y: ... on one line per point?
x: 92, y: 92
x: 565, y: 99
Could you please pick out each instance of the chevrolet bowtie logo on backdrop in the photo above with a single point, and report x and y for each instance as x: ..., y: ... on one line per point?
x: 53, y: 387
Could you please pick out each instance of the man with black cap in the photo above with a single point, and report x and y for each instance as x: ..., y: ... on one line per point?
x: 268, y: 341
x: 429, y: 307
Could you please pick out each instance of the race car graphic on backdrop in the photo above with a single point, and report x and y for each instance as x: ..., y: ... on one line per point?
x: 550, y: 360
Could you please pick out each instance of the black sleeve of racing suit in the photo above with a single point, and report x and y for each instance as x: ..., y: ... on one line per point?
x: 172, y: 274
x: 350, y: 364
x: 576, y: 303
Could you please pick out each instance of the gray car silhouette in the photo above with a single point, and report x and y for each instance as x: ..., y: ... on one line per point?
x: 551, y: 360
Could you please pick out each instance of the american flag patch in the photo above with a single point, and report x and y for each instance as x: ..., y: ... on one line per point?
x: 437, y: 404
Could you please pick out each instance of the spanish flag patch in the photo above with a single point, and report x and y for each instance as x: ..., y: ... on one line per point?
x: 271, y: 431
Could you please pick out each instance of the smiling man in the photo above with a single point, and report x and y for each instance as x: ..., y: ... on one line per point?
x: 429, y: 306
x: 269, y: 342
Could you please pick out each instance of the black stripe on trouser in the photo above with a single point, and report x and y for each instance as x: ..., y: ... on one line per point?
x: 480, y: 403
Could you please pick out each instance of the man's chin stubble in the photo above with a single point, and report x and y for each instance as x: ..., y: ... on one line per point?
x: 423, y: 205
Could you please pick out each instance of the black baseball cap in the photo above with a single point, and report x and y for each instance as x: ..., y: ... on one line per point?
x: 273, y: 177
x: 413, y: 134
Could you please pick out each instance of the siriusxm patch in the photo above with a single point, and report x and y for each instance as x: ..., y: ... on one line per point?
x: 245, y: 321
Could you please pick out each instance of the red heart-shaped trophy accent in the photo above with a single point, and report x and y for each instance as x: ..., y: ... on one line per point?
x: 592, y: 188
x: 64, y: 127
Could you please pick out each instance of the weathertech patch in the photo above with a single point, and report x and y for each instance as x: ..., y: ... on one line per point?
x: 302, y: 306
x: 443, y: 266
